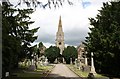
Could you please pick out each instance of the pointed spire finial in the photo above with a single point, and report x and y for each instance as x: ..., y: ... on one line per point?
x: 60, y: 22
x: 60, y: 17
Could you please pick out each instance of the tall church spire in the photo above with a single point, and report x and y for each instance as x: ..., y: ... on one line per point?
x: 60, y: 22
x: 60, y: 37
x: 60, y: 25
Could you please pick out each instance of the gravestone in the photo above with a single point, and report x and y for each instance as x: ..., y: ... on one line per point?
x: 29, y: 62
x: 75, y: 62
x: 46, y: 62
x: 86, y: 68
x: 78, y: 64
x: 7, y: 74
x: 56, y: 61
x: 71, y: 61
x: 32, y: 67
x: 64, y: 61
x: 43, y: 58
x: 41, y: 63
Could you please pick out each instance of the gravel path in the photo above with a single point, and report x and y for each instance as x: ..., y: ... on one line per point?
x: 61, y: 70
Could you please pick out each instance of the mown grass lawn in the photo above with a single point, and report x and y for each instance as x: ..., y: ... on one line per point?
x: 81, y: 73
x: 41, y: 71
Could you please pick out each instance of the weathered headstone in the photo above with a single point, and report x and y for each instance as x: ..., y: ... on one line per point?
x: 64, y: 61
x: 43, y: 58
x: 41, y: 63
x: 32, y: 67
x: 46, y: 62
x: 86, y: 69
x: 75, y: 62
x: 56, y: 61
x: 71, y: 61
x: 7, y: 74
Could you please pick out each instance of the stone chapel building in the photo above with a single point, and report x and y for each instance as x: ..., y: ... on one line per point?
x: 60, y: 37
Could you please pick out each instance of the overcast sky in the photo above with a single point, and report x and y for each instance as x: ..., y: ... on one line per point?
x: 75, y: 21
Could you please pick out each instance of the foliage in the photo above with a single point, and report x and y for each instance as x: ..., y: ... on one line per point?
x: 16, y: 36
x: 42, y: 4
x: 40, y: 44
x: 104, y: 39
x: 70, y: 52
x: 40, y: 48
x: 52, y: 53
x: 36, y: 50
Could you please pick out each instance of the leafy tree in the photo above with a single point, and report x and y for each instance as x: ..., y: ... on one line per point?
x: 70, y: 52
x: 52, y: 53
x: 35, y: 50
x: 40, y: 48
x: 42, y: 3
x: 16, y: 36
x: 104, y: 39
x: 40, y: 44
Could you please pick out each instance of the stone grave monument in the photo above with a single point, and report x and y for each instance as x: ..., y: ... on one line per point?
x: 56, y: 61
x: 46, y: 61
x: 32, y: 66
x: 71, y: 61
x: 92, y: 69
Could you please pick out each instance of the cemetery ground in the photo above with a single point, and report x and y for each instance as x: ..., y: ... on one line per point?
x: 53, y: 71
x: 23, y: 71
x: 84, y: 74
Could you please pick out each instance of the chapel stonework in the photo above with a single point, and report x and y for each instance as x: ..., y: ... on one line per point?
x: 60, y: 37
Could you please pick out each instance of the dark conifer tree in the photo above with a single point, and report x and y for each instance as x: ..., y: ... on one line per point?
x: 104, y: 39
x: 16, y: 36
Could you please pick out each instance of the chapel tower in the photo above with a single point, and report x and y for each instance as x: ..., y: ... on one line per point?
x: 60, y: 37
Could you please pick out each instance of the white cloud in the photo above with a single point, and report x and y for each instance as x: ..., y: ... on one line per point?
x: 74, y: 21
